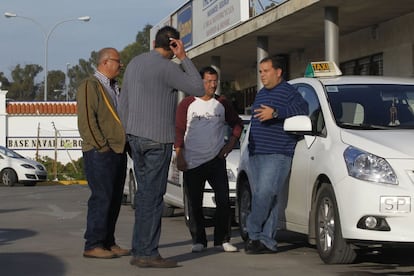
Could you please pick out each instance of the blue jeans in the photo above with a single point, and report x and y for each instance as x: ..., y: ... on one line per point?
x: 151, y: 164
x: 105, y: 173
x: 269, y: 175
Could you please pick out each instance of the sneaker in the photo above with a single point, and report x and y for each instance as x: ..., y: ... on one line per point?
x: 197, y: 247
x: 228, y: 247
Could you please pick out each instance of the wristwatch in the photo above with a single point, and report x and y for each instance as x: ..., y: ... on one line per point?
x: 275, y: 113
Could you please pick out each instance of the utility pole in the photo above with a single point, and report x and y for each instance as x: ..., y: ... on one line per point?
x: 55, y: 162
x: 37, y: 142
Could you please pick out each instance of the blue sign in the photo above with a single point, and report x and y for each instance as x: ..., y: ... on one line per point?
x: 185, y: 24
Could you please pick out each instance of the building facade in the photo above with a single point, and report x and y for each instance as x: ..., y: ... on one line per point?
x: 372, y: 37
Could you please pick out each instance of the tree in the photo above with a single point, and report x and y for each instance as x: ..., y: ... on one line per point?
x: 143, y: 37
x: 22, y: 86
x: 79, y: 72
x: 141, y: 45
x: 56, y: 86
x: 4, y: 82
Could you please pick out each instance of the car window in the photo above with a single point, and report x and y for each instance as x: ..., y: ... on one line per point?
x: 315, y: 112
x: 372, y: 106
x: 10, y: 153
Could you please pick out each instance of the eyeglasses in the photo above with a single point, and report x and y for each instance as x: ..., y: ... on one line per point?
x: 116, y: 60
x: 211, y: 81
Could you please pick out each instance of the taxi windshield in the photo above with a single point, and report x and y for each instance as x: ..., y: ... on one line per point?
x: 372, y: 106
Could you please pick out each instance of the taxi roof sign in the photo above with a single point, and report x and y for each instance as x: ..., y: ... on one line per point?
x: 322, y: 69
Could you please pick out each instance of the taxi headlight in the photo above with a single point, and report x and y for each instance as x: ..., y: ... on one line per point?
x: 366, y: 166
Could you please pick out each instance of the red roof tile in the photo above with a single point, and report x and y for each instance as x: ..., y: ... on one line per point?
x: 41, y: 108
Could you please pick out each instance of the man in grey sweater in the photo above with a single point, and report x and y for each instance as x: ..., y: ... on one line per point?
x: 147, y: 109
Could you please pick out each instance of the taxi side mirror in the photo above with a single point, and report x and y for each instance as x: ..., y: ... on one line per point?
x: 299, y: 124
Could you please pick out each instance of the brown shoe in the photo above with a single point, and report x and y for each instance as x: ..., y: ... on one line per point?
x: 158, y: 262
x: 117, y: 250
x: 99, y: 253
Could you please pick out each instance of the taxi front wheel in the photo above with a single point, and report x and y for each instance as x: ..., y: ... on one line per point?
x: 244, y: 199
x: 332, y: 247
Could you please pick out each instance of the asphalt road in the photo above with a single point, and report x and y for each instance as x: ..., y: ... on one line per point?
x: 41, y: 233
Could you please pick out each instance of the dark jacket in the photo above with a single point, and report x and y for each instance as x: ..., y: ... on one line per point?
x: 98, y: 122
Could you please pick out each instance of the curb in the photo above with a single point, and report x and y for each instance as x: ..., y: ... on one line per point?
x: 62, y: 182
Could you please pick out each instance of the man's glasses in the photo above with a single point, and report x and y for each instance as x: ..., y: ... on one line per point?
x: 211, y: 81
x: 116, y: 60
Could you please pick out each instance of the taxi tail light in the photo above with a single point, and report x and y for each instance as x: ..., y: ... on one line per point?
x: 373, y: 223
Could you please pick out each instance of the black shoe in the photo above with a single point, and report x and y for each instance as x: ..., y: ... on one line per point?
x: 251, y: 246
x: 158, y: 262
x: 257, y: 247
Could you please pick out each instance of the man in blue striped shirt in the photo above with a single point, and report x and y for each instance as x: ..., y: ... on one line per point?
x: 270, y: 153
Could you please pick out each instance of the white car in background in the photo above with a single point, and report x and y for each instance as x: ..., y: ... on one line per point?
x: 352, y: 178
x: 130, y: 186
x: 175, y: 197
x: 14, y: 168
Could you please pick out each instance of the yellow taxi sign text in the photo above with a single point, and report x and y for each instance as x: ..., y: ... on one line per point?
x: 322, y: 69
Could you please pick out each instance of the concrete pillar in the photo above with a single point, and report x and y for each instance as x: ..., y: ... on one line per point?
x: 262, y: 52
x: 216, y: 64
x: 3, y: 117
x: 331, y: 34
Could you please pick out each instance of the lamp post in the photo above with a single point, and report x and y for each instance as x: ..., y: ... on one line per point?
x: 47, y: 36
x: 67, y: 81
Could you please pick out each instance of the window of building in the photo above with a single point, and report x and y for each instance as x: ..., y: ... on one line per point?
x: 370, y: 65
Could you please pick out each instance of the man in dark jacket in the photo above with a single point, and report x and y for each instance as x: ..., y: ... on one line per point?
x: 104, y: 155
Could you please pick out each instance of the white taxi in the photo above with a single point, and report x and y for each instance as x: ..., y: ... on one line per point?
x: 352, y: 176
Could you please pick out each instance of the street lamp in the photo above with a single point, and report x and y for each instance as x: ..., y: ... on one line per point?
x: 67, y: 81
x: 47, y: 36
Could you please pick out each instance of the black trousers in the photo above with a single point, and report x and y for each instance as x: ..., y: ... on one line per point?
x: 215, y: 172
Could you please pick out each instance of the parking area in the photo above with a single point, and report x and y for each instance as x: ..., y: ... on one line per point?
x: 41, y: 233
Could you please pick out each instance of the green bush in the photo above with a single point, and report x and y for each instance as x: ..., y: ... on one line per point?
x: 70, y: 171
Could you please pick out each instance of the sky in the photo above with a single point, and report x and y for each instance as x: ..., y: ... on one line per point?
x: 112, y: 24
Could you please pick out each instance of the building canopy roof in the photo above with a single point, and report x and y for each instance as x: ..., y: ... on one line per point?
x: 292, y: 26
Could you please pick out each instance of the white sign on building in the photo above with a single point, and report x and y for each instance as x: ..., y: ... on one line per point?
x: 200, y: 20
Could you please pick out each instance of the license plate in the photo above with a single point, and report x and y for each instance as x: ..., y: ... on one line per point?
x: 395, y: 204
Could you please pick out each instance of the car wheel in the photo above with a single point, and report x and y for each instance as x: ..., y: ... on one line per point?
x: 332, y: 248
x: 168, y: 210
x: 244, y: 203
x: 9, y: 177
x: 132, y: 189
